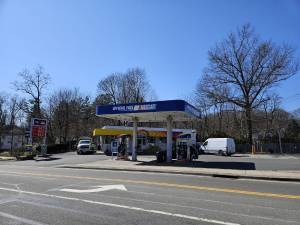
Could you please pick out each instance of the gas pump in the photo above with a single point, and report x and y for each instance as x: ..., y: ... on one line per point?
x: 186, y: 148
x: 122, y: 148
x: 182, y: 151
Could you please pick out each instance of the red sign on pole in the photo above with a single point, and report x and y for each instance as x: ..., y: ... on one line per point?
x: 38, y: 127
x: 38, y: 131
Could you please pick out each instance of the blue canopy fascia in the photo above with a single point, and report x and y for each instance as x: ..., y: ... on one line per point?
x: 180, y: 110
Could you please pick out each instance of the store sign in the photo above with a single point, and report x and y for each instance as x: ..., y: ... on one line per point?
x: 133, y: 108
x: 173, y: 106
x: 39, y: 122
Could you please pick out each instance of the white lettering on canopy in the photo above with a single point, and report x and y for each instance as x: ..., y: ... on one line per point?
x: 129, y: 108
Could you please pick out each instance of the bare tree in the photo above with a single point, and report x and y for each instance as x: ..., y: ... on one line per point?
x: 109, y: 86
x: 296, y: 113
x: 121, y: 88
x: 15, y: 106
x: 270, y: 108
x: 242, y: 68
x: 102, y: 99
x: 60, y: 113
x: 138, y: 86
x: 70, y: 115
x: 3, y: 114
x: 33, y: 84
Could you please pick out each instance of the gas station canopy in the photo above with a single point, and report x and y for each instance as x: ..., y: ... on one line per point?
x: 157, y: 111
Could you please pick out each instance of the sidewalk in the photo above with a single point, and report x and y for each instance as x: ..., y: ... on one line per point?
x: 5, y: 158
x: 149, y: 164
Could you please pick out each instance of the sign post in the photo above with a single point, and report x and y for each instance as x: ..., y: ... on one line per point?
x: 39, y: 129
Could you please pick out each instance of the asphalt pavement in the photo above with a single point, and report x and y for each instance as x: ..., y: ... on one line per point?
x: 237, y: 161
x: 251, y: 162
x: 40, y: 193
x: 54, y: 160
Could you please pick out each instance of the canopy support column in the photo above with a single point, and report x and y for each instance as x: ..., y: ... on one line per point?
x: 169, y: 138
x: 134, y: 139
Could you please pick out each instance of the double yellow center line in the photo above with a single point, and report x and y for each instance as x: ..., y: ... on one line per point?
x: 163, y: 184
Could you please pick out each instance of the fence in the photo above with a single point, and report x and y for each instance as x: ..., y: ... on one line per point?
x: 289, y: 148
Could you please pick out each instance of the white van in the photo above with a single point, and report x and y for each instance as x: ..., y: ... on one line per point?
x: 220, y: 146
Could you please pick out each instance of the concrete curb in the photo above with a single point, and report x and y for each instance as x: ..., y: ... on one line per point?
x: 7, y: 158
x: 209, y: 174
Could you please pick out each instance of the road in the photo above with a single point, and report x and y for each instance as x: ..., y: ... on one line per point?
x: 38, y: 195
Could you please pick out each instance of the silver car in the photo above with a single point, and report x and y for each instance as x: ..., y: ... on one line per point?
x: 85, y: 146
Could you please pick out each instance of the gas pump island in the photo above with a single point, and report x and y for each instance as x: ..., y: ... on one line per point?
x: 157, y: 111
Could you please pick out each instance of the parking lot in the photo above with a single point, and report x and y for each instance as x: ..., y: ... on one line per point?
x: 237, y: 161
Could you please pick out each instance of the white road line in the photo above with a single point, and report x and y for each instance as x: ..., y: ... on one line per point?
x: 67, y: 185
x: 212, y: 201
x: 11, y: 184
x: 20, y: 219
x: 121, y: 206
x: 204, y: 209
x: 5, y: 201
x: 119, y: 187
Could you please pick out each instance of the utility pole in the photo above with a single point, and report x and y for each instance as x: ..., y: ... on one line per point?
x: 279, y: 137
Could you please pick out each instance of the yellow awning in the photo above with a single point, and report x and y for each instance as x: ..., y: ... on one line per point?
x: 117, y: 132
x: 110, y: 132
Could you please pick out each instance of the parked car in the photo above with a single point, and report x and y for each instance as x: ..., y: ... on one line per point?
x: 86, y: 146
x: 219, y: 146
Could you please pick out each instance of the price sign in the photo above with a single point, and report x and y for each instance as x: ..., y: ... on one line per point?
x: 38, y: 127
x: 38, y: 131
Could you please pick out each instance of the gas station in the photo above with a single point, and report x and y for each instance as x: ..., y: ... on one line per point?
x: 157, y: 111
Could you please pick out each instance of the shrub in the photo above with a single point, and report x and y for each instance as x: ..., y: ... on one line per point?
x: 17, y: 152
x: 57, y: 148
x: 23, y: 152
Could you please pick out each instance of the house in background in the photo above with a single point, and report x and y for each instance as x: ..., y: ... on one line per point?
x: 6, y: 138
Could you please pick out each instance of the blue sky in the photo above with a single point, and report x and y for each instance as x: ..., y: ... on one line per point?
x: 81, y: 41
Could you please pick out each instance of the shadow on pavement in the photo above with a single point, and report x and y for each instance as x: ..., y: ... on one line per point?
x: 46, y: 158
x: 89, y: 153
x: 99, y: 153
x: 202, y: 164
x: 239, y: 156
